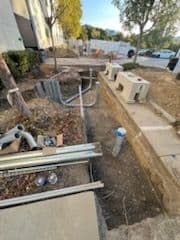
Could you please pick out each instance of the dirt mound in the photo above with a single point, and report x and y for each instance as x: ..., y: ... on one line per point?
x: 161, y: 228
x: 48, y: 118
x: 164, y: 90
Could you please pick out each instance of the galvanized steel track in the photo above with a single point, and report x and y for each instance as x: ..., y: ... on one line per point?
x: 63, y: 155
x: 50, y: 194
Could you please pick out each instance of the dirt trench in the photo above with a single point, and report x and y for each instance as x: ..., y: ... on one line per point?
x: 127, y: 191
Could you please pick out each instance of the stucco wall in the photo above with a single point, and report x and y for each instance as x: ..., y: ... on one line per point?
x: 10, y: 38
x: 24, y: 23
x: 39, y: 24
x: 30, y: 17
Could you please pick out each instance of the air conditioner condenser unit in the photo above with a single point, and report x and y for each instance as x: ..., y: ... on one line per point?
x: 112, y: 70
x: 132, y: 87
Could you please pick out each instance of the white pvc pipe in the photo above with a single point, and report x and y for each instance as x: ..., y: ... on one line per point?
x: 120, y: 135
x: 31, y: 142
x: 16, y: 129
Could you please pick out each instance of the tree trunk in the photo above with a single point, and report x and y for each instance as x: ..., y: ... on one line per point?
x: 138, y: 44
x: 54, y: 50
x: 10, y: 83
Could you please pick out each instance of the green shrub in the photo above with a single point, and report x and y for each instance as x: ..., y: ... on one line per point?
x: 21, y: 62
x: 130, y: 66
x: 178, y: 76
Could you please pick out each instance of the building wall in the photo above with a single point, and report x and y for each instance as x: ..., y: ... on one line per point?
x: 58, y: 35
x: 39, y: 24
x: 24, y: 23
x: 31, y: 22
x: 10, y: 38
x: 57, y: 29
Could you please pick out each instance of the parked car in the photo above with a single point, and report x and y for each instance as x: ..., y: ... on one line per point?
x: 164, y: 54
x: 130, y: 53
x: 146, y: 52
x: 142, y: 52
x: 149, y: 52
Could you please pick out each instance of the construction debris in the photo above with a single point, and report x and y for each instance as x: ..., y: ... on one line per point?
x: 15, y: 134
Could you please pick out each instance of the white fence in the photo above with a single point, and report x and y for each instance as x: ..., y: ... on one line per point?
x: 111, y: 46
x: 121, y: 48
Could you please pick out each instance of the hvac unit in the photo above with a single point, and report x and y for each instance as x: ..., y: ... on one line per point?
x: 132, y: 87
x: 112, y: 70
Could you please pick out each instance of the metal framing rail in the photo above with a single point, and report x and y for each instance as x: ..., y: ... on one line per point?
x: 53, y: 159
x: 56, y: 151
x: 23, y: 171
x: 50, y: 194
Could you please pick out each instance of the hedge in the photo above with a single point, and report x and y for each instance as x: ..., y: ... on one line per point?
x: 21, y: 62
x: 130, y: 65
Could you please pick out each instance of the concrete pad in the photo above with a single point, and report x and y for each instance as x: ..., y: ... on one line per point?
x: 164, y: 141
x: 67, y: 218
x: 173, y: 165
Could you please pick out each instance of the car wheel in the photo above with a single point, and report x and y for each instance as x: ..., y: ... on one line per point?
x: 158, y: 56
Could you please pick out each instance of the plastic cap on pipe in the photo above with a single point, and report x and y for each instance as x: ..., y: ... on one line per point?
x: 121, y: 132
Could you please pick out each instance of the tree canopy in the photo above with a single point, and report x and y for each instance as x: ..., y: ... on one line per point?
x: 70, y: 17
x: 90, y: 32
x: 148, y: 15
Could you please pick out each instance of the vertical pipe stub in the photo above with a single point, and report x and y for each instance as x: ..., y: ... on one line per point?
x: 120, y: 134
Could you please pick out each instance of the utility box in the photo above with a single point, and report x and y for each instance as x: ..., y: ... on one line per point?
x: 112, y: 70
x: 132, y: 87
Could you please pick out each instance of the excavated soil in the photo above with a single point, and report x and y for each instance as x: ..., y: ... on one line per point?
x: 49, y: 119
x: 127, y: 191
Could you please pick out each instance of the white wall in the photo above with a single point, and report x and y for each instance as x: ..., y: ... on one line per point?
x: 58, y: 35
x: 9, y: 33
x: 111, y: 46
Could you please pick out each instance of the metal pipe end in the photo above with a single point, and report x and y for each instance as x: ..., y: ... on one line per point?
x: 20, y: 127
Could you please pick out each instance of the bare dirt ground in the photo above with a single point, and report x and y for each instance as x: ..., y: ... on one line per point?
x: 164, y: 90
x: 49, y: 119
x: 160, y: 228
x: 123, y: 177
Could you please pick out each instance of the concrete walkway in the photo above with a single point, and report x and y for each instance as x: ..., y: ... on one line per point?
x: 67, y: 218
x: 84, y: 61
x: 81, y: 61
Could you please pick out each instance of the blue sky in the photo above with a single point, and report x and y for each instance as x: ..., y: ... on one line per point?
x: 100, y: 13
